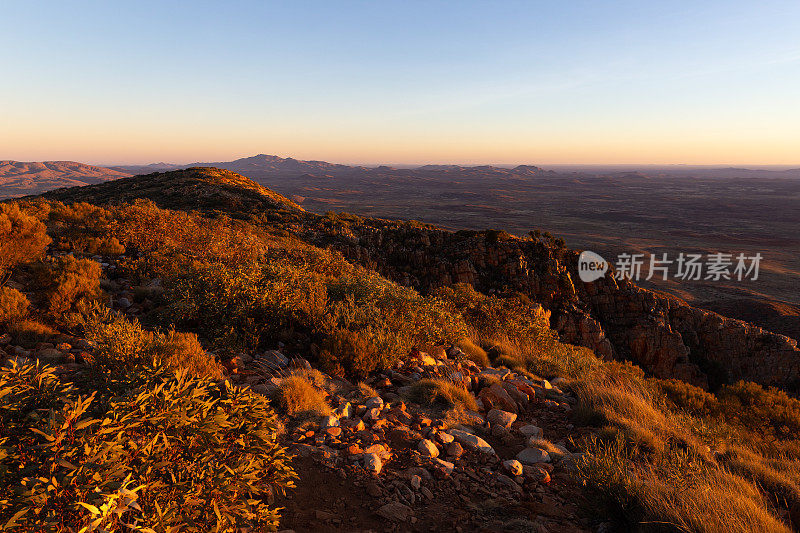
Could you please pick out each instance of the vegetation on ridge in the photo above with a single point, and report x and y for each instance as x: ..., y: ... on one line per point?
x: 167, y: 442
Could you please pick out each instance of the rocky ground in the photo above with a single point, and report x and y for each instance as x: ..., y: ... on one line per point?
x: 384, y: 463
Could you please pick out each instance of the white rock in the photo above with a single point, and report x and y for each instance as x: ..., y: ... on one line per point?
x: 530, y: 430
x: 329, y: 422
x: 531, y: 456
x: 471, y: 441
x: 373, y: 463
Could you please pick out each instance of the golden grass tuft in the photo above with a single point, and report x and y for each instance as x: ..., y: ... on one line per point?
x: 298, y: 397
x: 430, y: 392
x: 183, y: 350
x: 29, y: 332
x: 366, y: 391
x: 473, y: 351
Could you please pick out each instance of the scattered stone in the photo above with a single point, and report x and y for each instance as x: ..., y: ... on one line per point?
x: 428, y: 448
x: 444, y: 437
x: 471, y: 441
x: 530, y: 430
x: 333, y: 431
x: 445, y: 467
x: 454, y: 449
x: 497, y: 396
x: 374, y: 402
x: 329, y: 421
x: 372, y: 414
x: 532, y: 456
x: 416, y: 482
x: 501, y: 418
x: 395, y: 511
x: 513, y: 467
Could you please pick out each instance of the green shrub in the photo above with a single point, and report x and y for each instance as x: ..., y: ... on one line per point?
x: 13, y: 305
x: 174, y: 454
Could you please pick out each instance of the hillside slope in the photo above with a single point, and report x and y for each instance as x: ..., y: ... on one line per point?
x: 321, y: 395
x: 202, y: 189
x: 616, y: 319
x: 18, y: 178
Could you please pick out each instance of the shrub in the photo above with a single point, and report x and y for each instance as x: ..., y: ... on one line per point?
x: 13, y: 305
x: 183, y: 350
x: 23, y: 238
x: 298, y: 397
x: 441, y: 392
x: 68, y: 284
x: 123, y: 345
x: 172, y: 454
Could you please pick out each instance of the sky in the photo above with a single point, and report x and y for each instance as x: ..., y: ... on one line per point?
x: 503, y: 82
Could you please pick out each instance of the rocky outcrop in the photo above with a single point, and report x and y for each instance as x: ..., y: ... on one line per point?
x: 615, y: 318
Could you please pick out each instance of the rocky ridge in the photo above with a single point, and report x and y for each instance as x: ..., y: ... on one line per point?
x: 615, y: 318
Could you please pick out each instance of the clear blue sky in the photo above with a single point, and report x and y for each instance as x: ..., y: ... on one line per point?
x: 402, y: 82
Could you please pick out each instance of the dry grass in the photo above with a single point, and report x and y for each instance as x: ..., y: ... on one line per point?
x: 430, y: 392
x: 366, y: 391
x: 473, y: 351
x: 183, y: 350
x: 29, y: 332
x: 298, y: 397
x: 679, y: 491
x: 554, y: 451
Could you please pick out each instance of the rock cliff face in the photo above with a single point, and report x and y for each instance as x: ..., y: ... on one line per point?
x: 613, y: 317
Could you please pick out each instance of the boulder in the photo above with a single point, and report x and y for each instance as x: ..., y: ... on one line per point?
x: 532, y: 456
x: 496, y: 417
x: 373, y: 463
x: 473, y: 442
x: 428, y: 448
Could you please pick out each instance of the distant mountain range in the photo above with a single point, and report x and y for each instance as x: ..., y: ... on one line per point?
x: 18, y: 178
x: 264, y: 165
